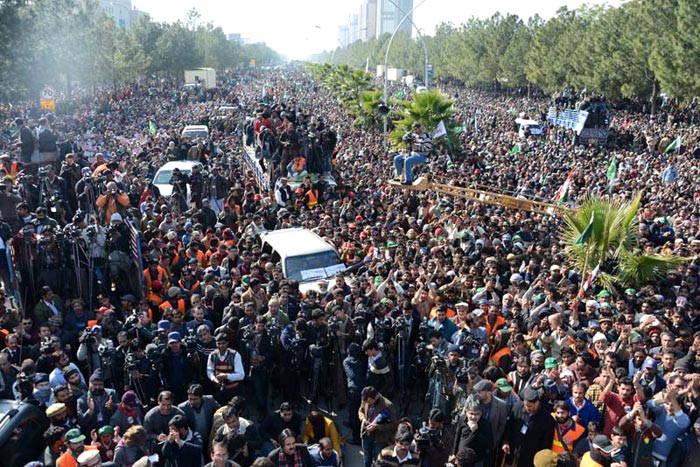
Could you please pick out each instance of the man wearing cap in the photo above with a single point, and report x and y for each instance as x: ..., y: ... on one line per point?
x: 178, y: 367
x: 493, y: 410
x: 529, y: 430
x: 57, y: 414
x: 75, y: 442
x: 600, y: 454
x: 111, y: 202
x: 91, y: 458
x: 104, y: 440
x: 96, y: 407
x: 650, y: 378
x: 182, y: 446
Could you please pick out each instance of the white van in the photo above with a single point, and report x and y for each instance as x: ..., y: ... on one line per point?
x: 305, y: 257
x: 527, y: 126
x: 196, y: 131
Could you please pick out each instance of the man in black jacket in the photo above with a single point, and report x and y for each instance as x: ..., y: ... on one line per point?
x: 529, y: 430
x: 275, y: 422
x: 199, y: 411
x: 182, y: 447
x: 474, y: 432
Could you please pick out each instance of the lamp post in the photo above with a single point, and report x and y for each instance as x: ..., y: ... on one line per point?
x: 386, y: 65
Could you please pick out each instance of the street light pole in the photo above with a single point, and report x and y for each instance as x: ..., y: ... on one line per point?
x: 422, y: 43
x: 386, y: 65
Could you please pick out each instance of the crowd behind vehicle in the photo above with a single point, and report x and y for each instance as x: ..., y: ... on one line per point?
x: 157, y: 329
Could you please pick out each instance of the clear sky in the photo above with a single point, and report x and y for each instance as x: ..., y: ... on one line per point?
x: 301, y: 28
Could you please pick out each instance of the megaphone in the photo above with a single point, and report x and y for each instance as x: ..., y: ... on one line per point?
x: 382, y: 108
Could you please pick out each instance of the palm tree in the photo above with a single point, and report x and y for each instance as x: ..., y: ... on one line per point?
x: 429, y: 108
x: 613, y: 244
x: 368, y: 115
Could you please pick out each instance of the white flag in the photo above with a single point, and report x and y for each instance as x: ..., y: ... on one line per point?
x: 440, y: 130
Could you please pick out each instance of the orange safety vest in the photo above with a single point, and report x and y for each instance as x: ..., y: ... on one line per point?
x: 191, y: 289
x: 299, y: 164
x: 166, y: 304
x: 566, y: 442
x: 201, y: 260
x: 313, y: 198
x: 496, y: 356
x: 67, y: 459
x: 500, y: 322
x: 162, y: 276
x: 12, y: 171
x: 450, y: 313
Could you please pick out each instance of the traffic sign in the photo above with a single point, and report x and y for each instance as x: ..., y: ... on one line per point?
x: 48, y: 93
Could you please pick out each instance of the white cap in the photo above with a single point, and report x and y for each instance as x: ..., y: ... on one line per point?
x: 592, y: 303
x: 89, y: 456
x: 599, y: 336
x: 116, y: 217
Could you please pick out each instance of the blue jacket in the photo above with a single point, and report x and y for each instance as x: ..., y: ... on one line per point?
x: 587, y: 413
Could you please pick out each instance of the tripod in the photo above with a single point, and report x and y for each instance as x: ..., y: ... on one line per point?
x: 403, y: 370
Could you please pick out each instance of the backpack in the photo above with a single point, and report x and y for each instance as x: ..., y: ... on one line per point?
x: 47, y: 141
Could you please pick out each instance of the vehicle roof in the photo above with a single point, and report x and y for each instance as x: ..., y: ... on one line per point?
x: 524, y: 121
x: 182, y: 165
x: 14, y: 409
x: 295, y: 242
x: 196, y: 128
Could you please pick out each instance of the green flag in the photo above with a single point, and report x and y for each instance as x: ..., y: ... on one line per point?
x: 515, y: 149
x: 459, y: 129
x: 152, y: 128
x: 398, y: 95
x: 586, y: 234
x: 675, y: 144
x: 612, y: 169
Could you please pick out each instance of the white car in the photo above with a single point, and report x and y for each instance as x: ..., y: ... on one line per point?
x: 196, y: 131
x: 165, y: 173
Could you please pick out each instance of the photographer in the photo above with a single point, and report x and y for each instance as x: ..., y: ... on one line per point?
x: 113, y: 201
x: 419, y: 146
x: 259, y: 354
x: 91, y: 344
x: 293, y: 359
x: 179, y: 182
x: 87, y: 189
x: 434, y: 442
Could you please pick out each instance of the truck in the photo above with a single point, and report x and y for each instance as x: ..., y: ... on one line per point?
x: 204, y: 77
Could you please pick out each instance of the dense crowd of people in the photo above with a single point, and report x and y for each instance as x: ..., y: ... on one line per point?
x: 153, y: 330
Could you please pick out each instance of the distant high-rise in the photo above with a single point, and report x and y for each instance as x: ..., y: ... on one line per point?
x: 390, y: 13
x: 377, y: 17
x: 122, y: 12
x: 367, y: 24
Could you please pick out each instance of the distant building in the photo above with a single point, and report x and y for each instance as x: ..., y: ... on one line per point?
x: 235, y: 37
x: 367, y: 20
x: 123, y: 13
x: 377, y: 17
x: 353, y: 29
x: 389, y: 16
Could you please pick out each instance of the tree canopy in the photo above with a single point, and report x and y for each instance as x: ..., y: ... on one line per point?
x: 62, y: 42
x: 639, y: 48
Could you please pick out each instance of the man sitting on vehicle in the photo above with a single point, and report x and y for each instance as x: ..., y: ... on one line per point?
x: 420, y: 146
